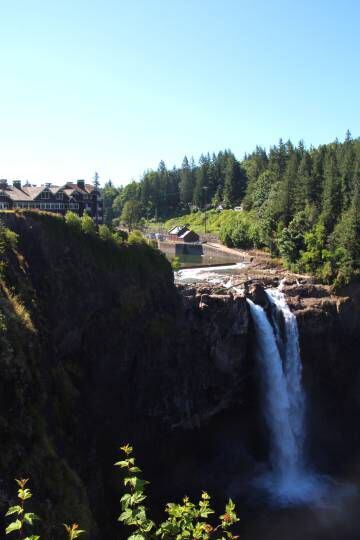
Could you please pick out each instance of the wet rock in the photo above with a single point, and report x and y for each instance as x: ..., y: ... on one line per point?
x: 258, y: 295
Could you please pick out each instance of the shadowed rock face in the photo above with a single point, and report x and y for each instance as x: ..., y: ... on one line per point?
x: 118, y: 354
x: 329, y: 329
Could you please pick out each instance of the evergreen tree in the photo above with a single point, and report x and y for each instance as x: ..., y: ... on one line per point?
x: 316, y: 180
x: 278, y: 159
x: 331, y: 194
x: 186, y: 182
x: 109, y: 193
x: 234, y: 183
x: 96, y: 180
x: 200, y: 182
x: 304, y: 186
x: 288, y: 201
x: 346, y: 169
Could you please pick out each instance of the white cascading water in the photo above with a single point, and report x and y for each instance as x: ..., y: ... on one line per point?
x: 284, y: 403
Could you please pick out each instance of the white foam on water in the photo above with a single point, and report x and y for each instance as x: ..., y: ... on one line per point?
x: 214, y: 275
x: 289, y: 480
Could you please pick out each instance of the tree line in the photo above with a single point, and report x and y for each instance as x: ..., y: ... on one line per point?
x: 300, y: 203
x: 164, y: 193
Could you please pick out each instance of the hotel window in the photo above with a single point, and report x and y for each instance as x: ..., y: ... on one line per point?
x: 45, y: 195
x: 60, y: 196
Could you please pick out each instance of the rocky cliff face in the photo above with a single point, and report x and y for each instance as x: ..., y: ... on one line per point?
x: 329, y: 327
x: 98, y: 347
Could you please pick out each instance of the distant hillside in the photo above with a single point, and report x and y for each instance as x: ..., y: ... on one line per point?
x: 300, y: 203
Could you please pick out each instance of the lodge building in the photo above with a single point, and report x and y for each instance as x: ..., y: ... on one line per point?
x: 76, y: 196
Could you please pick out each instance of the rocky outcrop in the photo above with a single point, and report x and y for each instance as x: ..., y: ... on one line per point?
x: 329, y: 328
x: 223, y: 322
x: 115, y: 354
x: 100, y: 348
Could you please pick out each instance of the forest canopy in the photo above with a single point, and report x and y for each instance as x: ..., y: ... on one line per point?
x: 300, y: 203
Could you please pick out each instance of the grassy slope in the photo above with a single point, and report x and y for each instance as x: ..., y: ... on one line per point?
x: 196, y: 221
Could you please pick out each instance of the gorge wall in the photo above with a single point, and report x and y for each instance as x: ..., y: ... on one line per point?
x: 98, y: 347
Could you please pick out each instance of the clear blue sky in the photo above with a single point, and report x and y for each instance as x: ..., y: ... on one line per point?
x: 118, y: 85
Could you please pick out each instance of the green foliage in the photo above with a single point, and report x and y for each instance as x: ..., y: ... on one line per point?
x: 185, y: 520
x: 131, y: 213
x: 186, y: 186
x: 291, y: 239
x: 311, y: 258
x: 109, y: 194
x: 261, y: 189
x: 176, y: 264
x: 73, y: 531
x: 73, y: 220
x: 274, y: 188
x: 136, y: 237
x: 88, y: 225
x: 234, y: 183
x: 105, y: 233
x: 11, y: 238
x: 23, y: 519
x: 8, y: 240
x: 241, y: 231
x: 134, y: 513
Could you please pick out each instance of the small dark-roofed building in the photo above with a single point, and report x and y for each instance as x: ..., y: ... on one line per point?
x: 177, y: 230
x: 189, y: 236
x: 181, y: 233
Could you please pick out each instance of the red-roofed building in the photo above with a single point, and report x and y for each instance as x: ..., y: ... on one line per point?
x: 76, y: 196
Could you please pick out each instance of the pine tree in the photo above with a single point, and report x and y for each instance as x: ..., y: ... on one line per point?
x: 331, y: 203
x: 234, y: 183
x: 96, y: 182
x: 186, y: 182
x: 200, y: 182
x: 346, y: 169
x: 316, y: 180
x: 288, y: 201
x: 278, y: 159
x: 304, y: 194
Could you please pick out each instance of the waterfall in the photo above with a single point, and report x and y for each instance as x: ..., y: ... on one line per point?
x: 278, y: 356
x: 292, y: 370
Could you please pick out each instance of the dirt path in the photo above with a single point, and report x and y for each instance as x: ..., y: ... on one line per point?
x: 252, y: 255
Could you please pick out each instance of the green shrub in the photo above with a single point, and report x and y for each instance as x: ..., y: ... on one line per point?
x: 185, y: 520
x: 11, y: 238
x: 22, y: 519
x: 88, y: 225
x: 136, y: 237
x: 105, y: 233
x: 73, y: 220
x: 176, y: 264
x: 240, y: 231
